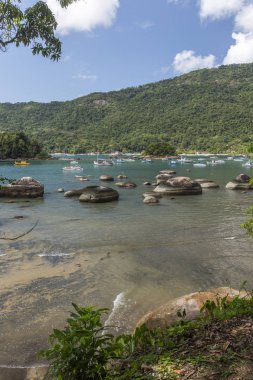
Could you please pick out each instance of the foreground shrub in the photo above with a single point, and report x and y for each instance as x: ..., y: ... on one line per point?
x: 81, y: 351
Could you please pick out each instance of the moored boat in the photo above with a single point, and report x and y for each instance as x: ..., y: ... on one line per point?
x: 21, y: 163
x: 72, y: 168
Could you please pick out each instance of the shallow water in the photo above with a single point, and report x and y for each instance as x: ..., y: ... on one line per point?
x: 123, y: 255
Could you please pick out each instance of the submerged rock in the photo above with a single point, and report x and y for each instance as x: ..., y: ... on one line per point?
x: 150, y: 200
x: 152, y: 194
x: 122, y: 176
x: 25, y: 187
x: 96, y: 194
x: 126, y: 184
x: 207, y: 183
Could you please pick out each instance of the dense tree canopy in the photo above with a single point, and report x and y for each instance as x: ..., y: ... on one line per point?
x: 34, y: 26
x: 206, y: 110
x: 18, y: 145
x: 160, y: 148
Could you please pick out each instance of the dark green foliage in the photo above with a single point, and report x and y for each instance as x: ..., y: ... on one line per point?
x: 248, y: 224
x: 34, y: 26
x: 210, y: 109
x: 224, y: 308
x: 160, y: 148
x: 17, y: 145
x: 81, y: 351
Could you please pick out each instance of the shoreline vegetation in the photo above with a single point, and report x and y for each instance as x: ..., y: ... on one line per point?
x: 217, y: 344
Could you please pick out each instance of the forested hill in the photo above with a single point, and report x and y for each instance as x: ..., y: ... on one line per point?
x: 210, y: 109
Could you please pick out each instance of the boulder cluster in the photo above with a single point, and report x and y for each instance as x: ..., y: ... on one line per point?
x: 166, y: 183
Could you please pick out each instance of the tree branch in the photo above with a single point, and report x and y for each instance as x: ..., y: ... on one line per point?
x: 19, y: 236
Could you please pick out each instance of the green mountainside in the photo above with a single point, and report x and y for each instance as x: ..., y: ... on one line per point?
x: 210, y: 109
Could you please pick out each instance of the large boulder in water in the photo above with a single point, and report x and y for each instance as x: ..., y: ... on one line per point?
x: 25, y: 187
x: 242, y: 178
x: 179, y: 186
x: 96, y: 194
x: 167, y: 314
x: 241, y: 182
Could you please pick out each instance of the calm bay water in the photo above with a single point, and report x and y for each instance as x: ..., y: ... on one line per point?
x: 123, y: 255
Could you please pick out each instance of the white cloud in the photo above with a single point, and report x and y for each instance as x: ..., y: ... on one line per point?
x: 187, y: 61
x: 216, y: 9
x: 241, y: 51
x: 84, y: 15
x: 244, y: 19
x: 85, y: 77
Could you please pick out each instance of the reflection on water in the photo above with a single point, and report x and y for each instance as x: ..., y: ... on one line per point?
x: 123, y: 255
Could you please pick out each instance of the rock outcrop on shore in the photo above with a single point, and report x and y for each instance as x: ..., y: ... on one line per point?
x: 25, y: 187
x: 167, y: 314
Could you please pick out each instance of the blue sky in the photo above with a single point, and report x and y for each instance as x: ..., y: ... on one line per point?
x: 114, y: 44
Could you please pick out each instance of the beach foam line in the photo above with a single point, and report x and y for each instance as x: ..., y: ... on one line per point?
x: 56, y: 254
x: 118, y: 303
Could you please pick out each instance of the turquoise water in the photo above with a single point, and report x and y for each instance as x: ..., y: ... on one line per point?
x: 124, y: 255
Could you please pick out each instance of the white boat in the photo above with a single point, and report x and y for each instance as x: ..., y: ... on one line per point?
x: 146, y: 160
x: 200, y: 165
x: 119, y: 161
x: 101, y: 162
x: 72, y: 168
x: 184, y: 160
x: 74, y: 162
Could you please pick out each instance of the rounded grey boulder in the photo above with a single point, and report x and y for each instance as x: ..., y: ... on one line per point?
x: 129, y: 185
x: 150, y: 200
x: 25, y: 187
x: 179, y: 186
x: 97, y: 194
x: 106, y: 178
x: 241, y: 182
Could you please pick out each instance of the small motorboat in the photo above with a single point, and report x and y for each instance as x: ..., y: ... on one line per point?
x: 103, y: 162
x: 199, y: 165
x: 72, y: 168
x: 21, y: 163
x: 146, y: 160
